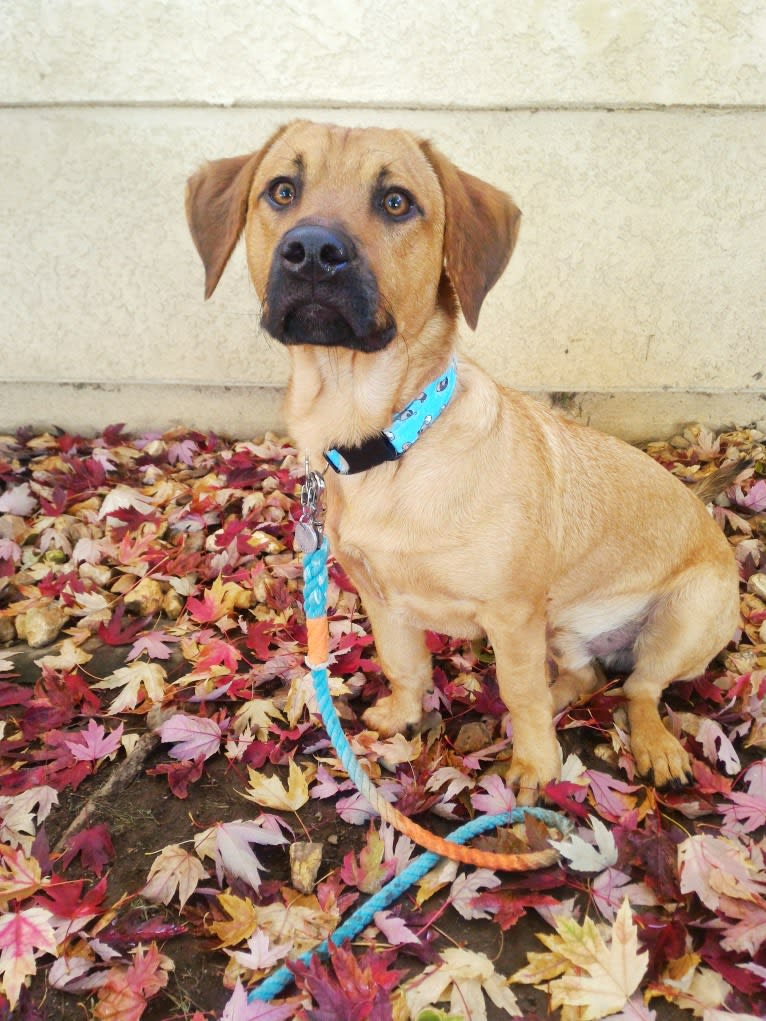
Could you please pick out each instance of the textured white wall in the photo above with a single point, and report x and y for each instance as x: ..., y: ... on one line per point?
x: 633, y: 136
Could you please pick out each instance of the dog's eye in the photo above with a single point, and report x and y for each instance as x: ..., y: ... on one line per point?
x: 282, y: 192
x: 397, y: 203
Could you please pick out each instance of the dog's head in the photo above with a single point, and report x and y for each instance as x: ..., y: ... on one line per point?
x: 352, y: 234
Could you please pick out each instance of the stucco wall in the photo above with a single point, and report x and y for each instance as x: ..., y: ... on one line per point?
x: 632, y: 135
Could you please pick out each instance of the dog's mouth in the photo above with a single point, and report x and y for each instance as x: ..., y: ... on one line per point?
x: 324, y: 324
x: 316, y: 323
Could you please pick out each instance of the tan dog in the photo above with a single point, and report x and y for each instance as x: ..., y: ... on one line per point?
x: 502, y: 519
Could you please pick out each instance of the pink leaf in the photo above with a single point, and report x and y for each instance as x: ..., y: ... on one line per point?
x: 745, y: 810
x: 466, y: 888
x: 717, y: 747
x: 499, y: 797
x: 155, y: 644
x: 24, y: 935
x: 238, y: 1009
x: 18, y: 500
x: 94, y: 743
x: 182, y: 451
x: 612, y: 797
x: 755, y: 779
x: 394, y: 929
x: 195, y: 736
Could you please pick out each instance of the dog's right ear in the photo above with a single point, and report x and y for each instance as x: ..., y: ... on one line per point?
x: 216, y: 208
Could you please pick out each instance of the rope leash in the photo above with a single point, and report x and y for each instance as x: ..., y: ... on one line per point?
x: 315, y: 602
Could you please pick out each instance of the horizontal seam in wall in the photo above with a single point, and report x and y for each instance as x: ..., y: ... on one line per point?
x: 595, y: 107
x: 276, y: 387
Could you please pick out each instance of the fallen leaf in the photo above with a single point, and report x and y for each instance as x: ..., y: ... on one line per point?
x: 269, y: 791
x: 585, y: 857
x: 94, y: 742
x: 24, y: 936
x: 228, y: 844
x: 583, y: 971
x: 463, y: 977
x: 174, y: 872
x: 192, y: 737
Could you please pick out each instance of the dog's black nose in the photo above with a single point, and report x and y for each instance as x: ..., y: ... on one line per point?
x: 315, y: 252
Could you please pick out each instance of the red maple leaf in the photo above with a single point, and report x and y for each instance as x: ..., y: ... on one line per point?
x: 134, y: 927
x: 114, y: 633
x: 66, y: 899
x: 508, y: 907
x: 14, y: 694
x: 656, y: 851
x: 94, y: 846
x: 57, y: 504
x: 179, y: 774
x: 348, y: 987
x: 259, y: 638
x: 569, y: 796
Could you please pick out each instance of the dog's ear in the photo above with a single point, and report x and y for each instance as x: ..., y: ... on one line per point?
x: 482, y: 224
x: 216, y: 208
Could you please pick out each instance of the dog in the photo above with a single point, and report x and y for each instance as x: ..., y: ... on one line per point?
x: 565, y: 547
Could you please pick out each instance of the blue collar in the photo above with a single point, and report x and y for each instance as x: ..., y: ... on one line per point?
x: 407, y: 426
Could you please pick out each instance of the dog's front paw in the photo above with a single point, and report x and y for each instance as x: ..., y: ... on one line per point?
x: 665, y: 762
x: 392, y: 715
x: 528, y: 775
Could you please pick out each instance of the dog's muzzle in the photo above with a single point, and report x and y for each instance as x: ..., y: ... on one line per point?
x: 321, y: 290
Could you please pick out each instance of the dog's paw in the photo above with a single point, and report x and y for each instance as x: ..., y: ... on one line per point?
x: 664, y: 761
x: 528, y: 776
x: 391, y: 716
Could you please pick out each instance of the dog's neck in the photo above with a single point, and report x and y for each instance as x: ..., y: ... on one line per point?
x: 341, y: 397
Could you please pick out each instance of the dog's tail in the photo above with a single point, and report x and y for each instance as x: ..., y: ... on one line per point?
x: 713, y: 485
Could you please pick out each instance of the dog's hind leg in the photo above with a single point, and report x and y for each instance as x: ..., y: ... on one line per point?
x: 574, y: 683
x: 688, y: 625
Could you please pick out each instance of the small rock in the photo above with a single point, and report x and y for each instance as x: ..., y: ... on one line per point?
x: 155, y: 448
x: 41, y: 625
x: 757, y: 583
x: 145, y: 600
x: 305, y: 859
x: 172, y: 604
x: 7, y: 630
x: 261, y: 586
x: 55, y: 556
x: 13, y: 527
x: 472, y: 737
x: 98, y: 573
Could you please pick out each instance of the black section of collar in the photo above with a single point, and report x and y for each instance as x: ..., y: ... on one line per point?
x: 369, y: 454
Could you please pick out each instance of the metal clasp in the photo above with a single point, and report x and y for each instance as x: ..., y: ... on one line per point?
x: 309, y: 529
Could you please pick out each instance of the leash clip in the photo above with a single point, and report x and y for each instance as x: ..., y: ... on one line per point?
x: 309, y: 529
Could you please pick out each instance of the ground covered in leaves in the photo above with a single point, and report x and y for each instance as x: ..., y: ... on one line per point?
x: 175, y: 824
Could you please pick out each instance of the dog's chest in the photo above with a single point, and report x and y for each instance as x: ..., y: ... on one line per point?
x: 428, y: 588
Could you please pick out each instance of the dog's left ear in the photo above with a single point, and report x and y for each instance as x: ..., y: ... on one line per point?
x: 482, y: 224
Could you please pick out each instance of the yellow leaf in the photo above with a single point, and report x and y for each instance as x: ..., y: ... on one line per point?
x: 300, y: 921
x: 593, y: 976
x: 20, y: 876
x: 257, y: 714
x: 69, y: 657
x: 440, y: 876
x: 242, y: 922
x: 269, y: 791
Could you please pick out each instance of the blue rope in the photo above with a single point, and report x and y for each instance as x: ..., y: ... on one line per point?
x: 392, y: 891
x: 315, y: 601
